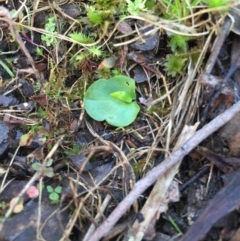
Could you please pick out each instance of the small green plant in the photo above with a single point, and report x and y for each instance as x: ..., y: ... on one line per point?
x: 178, y: 10
x: 39, y: 51
x: 94, y: 16
x: 179, y: 43
x: 50, y: 26
x: 136, y: 6
x: 54, y: 193
x: 174, y: 64
x: 112, y: 100
x: 81, y: 38
x: 48, y: 170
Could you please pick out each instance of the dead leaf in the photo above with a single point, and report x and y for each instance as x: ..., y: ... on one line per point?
x: 26, y: 140
x: 41, y: 99
x: 124, y: 28
x: 19, y: 207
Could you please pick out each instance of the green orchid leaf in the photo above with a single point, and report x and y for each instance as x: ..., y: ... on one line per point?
x: 122, y: 95
x: 118, y: 110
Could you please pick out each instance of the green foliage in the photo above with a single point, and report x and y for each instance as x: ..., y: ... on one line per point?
x: 174, y: 64
x: 54, y: 193
x: 95, y: 51
x: 111, y: 5
x: 136, y: 6
x: 48, y: 170
x: 74, y: 150
x: 179, y: 43
x: 94, y: 15
x: 112, y: 100
x: 88, y: 53
x: 81, y: 38
x: 216, y: 3
x: 150, y: 4
x: 50, y: 26
x: 39, y: 51
x: 177, y: 9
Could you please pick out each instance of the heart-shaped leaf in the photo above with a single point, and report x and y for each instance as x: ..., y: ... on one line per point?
x: 112, y: 100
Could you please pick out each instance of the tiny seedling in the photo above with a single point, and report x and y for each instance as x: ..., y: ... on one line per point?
x: 112, y: 100
x: 54, y: 193
x: 48, y: 170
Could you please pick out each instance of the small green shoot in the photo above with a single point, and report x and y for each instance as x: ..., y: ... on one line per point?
x: 54, y: 193
x: 7, y: 69
x: 112, y: 100
x: 39, y: 51
x: 179, y: 43
x: 122, y: 95
x: 174, y: 224
x: 50, y: 26
x: 91, y: 52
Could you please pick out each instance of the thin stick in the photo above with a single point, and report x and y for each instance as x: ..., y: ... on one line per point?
x: 159, y: 170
